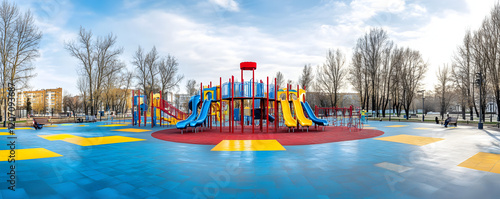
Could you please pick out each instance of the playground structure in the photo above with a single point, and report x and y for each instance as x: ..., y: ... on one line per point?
x: 233, y: 105
x: 159, y: 110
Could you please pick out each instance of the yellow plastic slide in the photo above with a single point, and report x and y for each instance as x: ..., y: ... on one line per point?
x: 171, y: 120
x: 299, y: 112
x: 287, y: 114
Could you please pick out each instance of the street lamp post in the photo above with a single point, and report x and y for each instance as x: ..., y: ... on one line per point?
x: 423, y: 104
x: 391, y: 109
x: 479, y: 82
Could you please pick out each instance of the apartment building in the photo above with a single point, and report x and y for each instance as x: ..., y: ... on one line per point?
x: 42, y: 101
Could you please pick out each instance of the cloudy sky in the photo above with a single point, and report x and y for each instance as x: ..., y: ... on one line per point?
x: 211, y: 37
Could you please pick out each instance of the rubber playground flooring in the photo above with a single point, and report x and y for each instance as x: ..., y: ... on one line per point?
x: 410, y: 160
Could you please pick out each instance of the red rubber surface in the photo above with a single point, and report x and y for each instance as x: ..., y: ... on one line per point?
x: 213, y: 136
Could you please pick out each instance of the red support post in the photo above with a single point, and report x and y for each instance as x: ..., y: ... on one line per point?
x: 139, y: 107
x: 220, y: 103
x: 253, y: 101
x: 145, y: 112
x: 276, y: 118
x: 210, y: 109
x: 297, y: 96
x: 267, y: 104
x: 132, y: 105
x: 160, y: 104
x: 304, y: 98
x: 232, y: 104
x: 201, y: 94
x: 242, y: 111
x: 151, y: 110
x: 229, y: 107
x: 287, y: 93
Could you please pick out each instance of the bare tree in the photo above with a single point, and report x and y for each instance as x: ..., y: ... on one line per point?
x: 146, y: 69
x: 83, y: 87
x: 19, y: 44
x: 384, y: 82
x: 108, y: 67
x: 395, y: 93
x: 152, y: 59
x: 412, y: 72
x: 370, y: 51
x: 280, y: 79
x: 307, y: 77
x: 481, y: 60
x: 357, y: 78
x: 444, y: 89
x: 83, y: 49
x: 126, y: 79
x: 71, y: 103
x: 191, y: 87
x: 331, y: 75
x: 110, y: 89
x: 98, y: 59
x: 169, y: 77
x: 462, y: 74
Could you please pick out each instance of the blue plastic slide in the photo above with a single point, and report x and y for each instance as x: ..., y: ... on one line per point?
x: 313, y: 117
x: 193, y: 103
x: 203, y: 114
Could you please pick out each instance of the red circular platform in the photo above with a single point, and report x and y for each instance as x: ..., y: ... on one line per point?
x: 214, y: 136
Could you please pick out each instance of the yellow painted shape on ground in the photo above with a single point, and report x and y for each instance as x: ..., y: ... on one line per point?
x: 24, y: 128
x: 369, y: 128
x: 18, y: 128
x: 82, y: 125
x: 484, y: 162
x: 5, y: 133
x: 366, y: 125
x: 249, y: 145
x: 410, y: 139
x: 58, y: 136
x: 53, y: 125
x: 112, y: 125
x: 132, y: 130
x: 27, y: 154
x: 421, y: 128
x: 397, y: 126
x: 100, y: 140
x: 66, y: 124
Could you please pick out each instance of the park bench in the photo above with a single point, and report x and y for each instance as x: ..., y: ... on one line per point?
x: 79, y: 120
x: 90, y: 118
x: 453, y: 120
x: 39, y: 122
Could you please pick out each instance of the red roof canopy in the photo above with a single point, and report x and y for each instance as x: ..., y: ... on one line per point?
x: 248, y: 65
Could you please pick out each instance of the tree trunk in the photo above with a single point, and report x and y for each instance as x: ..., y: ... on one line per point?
x: 407, y: 112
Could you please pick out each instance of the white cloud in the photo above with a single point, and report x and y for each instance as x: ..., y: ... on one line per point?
x: 416, y: 10
x: 230, y: 5
x: 54, y: 68
x: 207, y: 52
x: 439, y: 38
x: 364, y: 9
